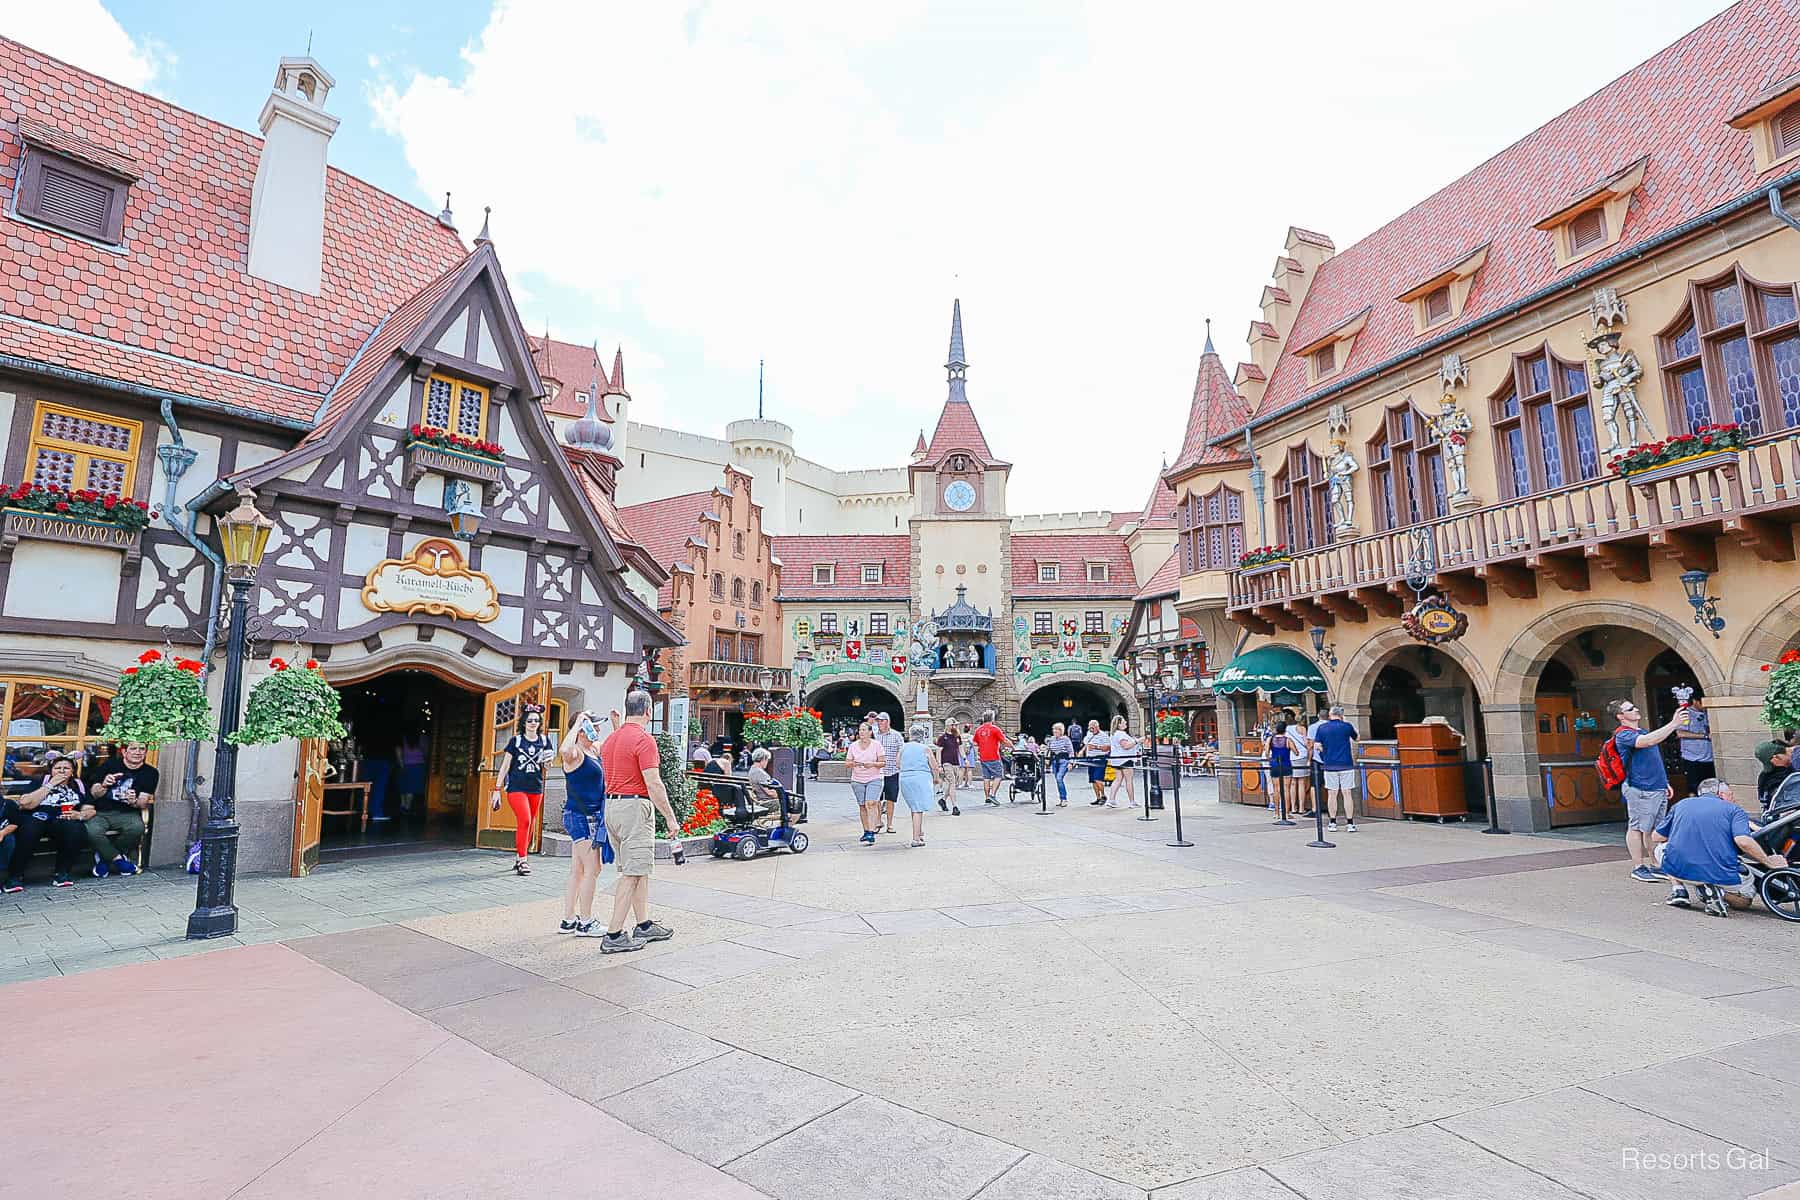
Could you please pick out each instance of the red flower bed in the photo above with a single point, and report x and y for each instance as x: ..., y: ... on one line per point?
x: 1706, y: 439
x: 82, y: 504
x: 1263, y: 555
x: 443, y: 439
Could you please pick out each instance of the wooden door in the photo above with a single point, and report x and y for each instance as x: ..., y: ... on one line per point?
x: 499, y: 720
x: 309, y: 803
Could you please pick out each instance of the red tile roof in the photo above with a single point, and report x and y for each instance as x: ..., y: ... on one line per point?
x: 1289, y: 265
x: 1159, y: 506
x: 1262, y: 329
x: 664, y: 528
x: 1072, y: 552
x: 1307, y: 235
x: 1672, y: 108
x: 800, y: 554
x: 957, y: 429
x: 576, y: 368
x: 1279, y: 295
x: 590, y: 474
x: 1216, y: 409
x: 1164, y: 581
x: 177, y: 308
x: 1249, y: 370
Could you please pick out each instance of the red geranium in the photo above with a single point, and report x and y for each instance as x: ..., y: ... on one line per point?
x: 278, y: 664
x: 150, y: 656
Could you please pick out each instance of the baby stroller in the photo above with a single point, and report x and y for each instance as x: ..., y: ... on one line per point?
x: 1027, y: 775
x: 746, y: 835
x: 1779, y: 833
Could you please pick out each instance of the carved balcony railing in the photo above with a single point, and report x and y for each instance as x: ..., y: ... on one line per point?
x: 738, y: 677
x: 1751, y: 496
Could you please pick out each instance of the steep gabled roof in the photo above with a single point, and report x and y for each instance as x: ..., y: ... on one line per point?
x: 175, y: 307
x: 957, y: 429
x: 665, y: 528
x: 1215, y: 410
x: 1164, y: 581
x: 1159, y: 505
x: 1672, y: 108
x: 576, y: 368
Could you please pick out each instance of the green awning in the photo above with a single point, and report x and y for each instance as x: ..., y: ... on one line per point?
x: 1270, y: 669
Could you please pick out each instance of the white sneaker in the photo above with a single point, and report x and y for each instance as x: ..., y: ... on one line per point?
x: 1350, y: 827
x: 1331, y: 827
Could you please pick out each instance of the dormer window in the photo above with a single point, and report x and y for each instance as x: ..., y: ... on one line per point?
x: 1324, y: 361
x: 1049, y: 572
x: 1437, y: 306
x: 1096, y: 572
x: 72, y: 184
x: 1594, y: 218
x: 1329, y: 353
x: 871, y: 573
x: 1440, y: 297
x: 1772, y: 120
x: 824, y: 574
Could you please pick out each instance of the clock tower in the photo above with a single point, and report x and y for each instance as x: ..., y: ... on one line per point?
x: 961, y: 549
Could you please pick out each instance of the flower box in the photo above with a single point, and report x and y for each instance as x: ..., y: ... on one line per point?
x: 16, y: 523
x: 423, y: 456
x: 1267, y: 568
x: 1675, y: 468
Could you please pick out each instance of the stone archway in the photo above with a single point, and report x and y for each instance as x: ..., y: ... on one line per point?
x: 833, y: 697
x: 1099, y: 681
x: 1769, y: 635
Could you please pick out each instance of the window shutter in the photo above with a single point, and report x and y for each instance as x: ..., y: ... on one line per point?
x: 1324, y: 359
x: 1786, y: 129
x: 1587, y: 229
x: 78, y: 205
x: 1437, y: 306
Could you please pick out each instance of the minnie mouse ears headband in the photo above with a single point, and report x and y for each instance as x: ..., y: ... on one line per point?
x: 534, y: 708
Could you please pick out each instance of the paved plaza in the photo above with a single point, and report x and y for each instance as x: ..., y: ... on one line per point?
x: 1028, y: 1007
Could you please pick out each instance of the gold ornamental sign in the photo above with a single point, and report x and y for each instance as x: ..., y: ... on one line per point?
x: 433, y: 579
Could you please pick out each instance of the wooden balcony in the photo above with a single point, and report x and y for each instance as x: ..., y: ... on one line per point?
x: 737, y: 677
x: 1561, y: 536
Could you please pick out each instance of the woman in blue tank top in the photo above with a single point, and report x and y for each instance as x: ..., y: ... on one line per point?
x: 584, y: 820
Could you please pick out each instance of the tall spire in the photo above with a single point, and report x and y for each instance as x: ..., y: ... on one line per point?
x: 618, y: 371
x: 759, y: 388
x: 957, y: 366
x: 1209, y: 346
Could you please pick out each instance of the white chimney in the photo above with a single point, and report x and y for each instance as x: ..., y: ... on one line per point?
x: 287, y: 203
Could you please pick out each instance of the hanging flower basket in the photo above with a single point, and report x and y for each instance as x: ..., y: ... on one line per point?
x: 291, y: 702
x: 1171, y: 727
x: 798, y: 728
x: 160, y: 700
x: 1781, y: 704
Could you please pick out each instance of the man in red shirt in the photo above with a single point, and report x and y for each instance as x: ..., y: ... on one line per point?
x: 634, y: 783
x: 990, y: 739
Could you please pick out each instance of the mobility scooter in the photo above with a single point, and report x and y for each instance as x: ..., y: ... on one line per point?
x: 746, y: 834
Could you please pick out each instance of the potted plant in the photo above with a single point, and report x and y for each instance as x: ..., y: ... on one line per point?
x: 290, y: 702
x: 1681, y: 454
x: 1781, y: 703
x: 82, y: 516
x: 429, y: 448
x: 160, y: 700
x: 1171, y: 726
x: 786, y: 733
x: 1264, y: 559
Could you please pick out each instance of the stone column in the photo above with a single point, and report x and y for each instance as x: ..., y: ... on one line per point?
x: 1229, y: 790
x: 1737, y: 728
x: 1518, y: 784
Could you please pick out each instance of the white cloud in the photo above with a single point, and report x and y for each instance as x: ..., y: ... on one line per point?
x: 812, y: 182
x: 84, y: 33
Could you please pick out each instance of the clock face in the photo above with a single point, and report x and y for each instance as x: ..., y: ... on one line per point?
x: 960, y: 496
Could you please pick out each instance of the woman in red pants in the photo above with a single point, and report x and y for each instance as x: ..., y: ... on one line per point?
x: 526, y: 756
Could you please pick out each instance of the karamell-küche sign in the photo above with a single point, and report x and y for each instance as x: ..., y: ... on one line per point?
x: 432, y: 579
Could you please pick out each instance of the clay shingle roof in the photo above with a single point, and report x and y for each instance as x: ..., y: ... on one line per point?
x: 1673, y: 108
x: 1215, y: 410
x: 1165, y: 581
x: 664, y: 527
x: 1159, y: 506
x: 576, y: 368
x: 1072, y: 553
x: 176, y: 308
x: 957, y: 429
x: 799, y: 554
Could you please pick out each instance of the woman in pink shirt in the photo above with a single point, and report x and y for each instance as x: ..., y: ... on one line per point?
x: 867, y: 761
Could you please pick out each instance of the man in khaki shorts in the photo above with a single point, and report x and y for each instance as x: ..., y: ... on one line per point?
x: 634, y: 794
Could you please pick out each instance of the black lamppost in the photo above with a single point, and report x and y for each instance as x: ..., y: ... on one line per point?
x: 803, y: 661
x: 1156, y: 681
x: 244, y: 535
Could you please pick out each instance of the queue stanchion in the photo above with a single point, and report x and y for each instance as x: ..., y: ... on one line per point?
x: 1493, y: 801
x: 1148, y: 780
x: 1179, y: 841
x: 1043, y: 785
x: 1319, y: 842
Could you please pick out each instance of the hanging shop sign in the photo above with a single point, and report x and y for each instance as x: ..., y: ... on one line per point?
x: 433, y: 579
x: 1434, y: 620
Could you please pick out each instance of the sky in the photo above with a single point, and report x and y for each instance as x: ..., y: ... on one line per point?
x: 810, y: 183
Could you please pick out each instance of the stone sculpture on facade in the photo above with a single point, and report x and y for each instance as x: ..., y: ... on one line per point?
x: 1615, y: 375
x: 1452, y: 427
x: 1340, y: 465
x: 1453, y: 372
x: 1607, y: 309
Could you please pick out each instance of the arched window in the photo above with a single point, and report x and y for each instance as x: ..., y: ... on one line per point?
x: 718, y: 586
x: 1302, y: 511
x: 737, y: 591
x: 1732, y: 354
x: 1406, y: 471
x: 39, y: 717
x: 1543, y: 425
x: 737, y: 542
x: 756, y: 593
x: 1210, y: 530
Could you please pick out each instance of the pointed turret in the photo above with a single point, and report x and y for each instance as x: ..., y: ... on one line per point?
x: 484, y: 238
x: 618, y: 372
x: 957, y: 365
x: 1216, y: 409
x: 919, y: 447
x: 957, y: 428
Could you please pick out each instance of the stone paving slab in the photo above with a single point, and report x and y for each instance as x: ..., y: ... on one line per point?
x: 535, y: 1011
x: 1678, y: 974
x: 1424, y: 1163
x: 613, y: 1056
x: 1708, y: 1095
x: 1245, y: 1183
x: 624, y: 985
x: 872, y: 1150
x: 1035, y: 1177
x: 725, y: 1107
x: 1586, y: 1141
x: 698, y: 966
x: 1549, y: 943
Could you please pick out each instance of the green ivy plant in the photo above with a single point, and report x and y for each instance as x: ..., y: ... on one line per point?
x: 160, y: 700
x: 1781, y: 704
x: 696, y: 730
x: 1172, y: 728
x: 290, y: 702
x: 676, y: 780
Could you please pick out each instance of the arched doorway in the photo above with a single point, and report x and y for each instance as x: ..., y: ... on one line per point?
x: 1395, y: 701
x: 1414, y: 682
x: 847, y: 703
x: 1068, y: 702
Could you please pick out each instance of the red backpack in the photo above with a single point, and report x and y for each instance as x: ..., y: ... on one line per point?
x: 1609, y: 766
